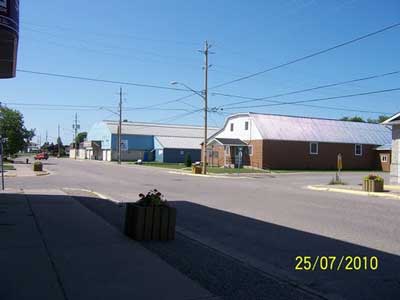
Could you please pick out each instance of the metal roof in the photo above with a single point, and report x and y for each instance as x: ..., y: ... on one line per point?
x: 386, y: 147
x: 290, y: 128
x: 173, y: 142
x: 393, y: 120
x: 154, y: 129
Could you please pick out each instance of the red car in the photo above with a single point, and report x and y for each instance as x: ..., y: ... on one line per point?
x: 41, y: 156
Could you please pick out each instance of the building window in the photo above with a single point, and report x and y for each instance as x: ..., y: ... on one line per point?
x: 384, y: 158
x: 231, y: 126
x: 246, y: 125
x: 227, y: 150
x: 250, y: 148
x: 358, y: 150
x: 182, y: 152
x: 314, y: 148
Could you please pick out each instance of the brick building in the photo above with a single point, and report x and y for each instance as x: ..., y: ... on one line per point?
x: 286, y: 142
x: 394, y: 122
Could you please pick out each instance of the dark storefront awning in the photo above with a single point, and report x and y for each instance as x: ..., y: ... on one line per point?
x: 229, y: 142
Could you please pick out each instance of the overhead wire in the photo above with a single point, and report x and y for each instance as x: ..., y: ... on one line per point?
x: 302, y: 58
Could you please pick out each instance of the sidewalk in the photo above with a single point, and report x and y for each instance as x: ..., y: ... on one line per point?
x: 390, y: 191
x: 53, y: 248
x: 24, y: 170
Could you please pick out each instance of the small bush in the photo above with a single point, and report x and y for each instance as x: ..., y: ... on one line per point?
x: 373, y: 177
x: 188, y: 160
x: 152, y: 198
x: 37, y: 166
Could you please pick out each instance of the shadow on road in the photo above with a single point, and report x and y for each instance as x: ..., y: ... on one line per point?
x: 268, y: 248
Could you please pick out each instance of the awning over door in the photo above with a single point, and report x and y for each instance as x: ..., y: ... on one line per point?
x: 227, y: 142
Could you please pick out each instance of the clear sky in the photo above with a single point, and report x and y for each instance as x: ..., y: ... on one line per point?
x: 156, y: 42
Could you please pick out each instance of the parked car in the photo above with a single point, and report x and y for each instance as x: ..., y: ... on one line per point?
x: 42, y: 155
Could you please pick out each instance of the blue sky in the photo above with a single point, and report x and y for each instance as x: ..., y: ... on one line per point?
x: 156, y: 42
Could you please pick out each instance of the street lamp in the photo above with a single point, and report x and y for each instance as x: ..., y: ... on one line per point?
x: 203, y: 96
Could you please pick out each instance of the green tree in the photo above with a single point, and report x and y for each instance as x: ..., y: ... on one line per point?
x: 61, y: 146
x: 379, y: 120
x: 188, y: 160
x: 12, y: 127
x: 353, y: 119
x: 81, y: 136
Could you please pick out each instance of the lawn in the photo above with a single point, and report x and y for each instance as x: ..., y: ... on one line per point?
x: 211, y: 170
x: 217, y: 170
x: 323, y: 171
x: 163, y: 165
x: 8, y: 167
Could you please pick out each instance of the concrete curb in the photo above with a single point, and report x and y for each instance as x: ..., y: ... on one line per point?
x: 89, y: 191
x: 352, y: 192
x: 209, y: 176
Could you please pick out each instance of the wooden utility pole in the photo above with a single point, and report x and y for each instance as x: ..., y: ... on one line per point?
x: 120, y: 125
x: 206, y: 52
x: 76, y: 126
x: 58, y: 142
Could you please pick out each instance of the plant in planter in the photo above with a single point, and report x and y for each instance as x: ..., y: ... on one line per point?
x: 37, y: 166
x: 150, y: 218
x: 373, y: 183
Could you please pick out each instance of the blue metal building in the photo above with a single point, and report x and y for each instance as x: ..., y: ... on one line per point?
x: 145, y: 141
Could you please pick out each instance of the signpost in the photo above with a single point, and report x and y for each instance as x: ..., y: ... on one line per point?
x: 339, y: 165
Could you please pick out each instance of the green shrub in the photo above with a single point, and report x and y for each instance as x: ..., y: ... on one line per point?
x: 152, y: 198
x: 373, y: 177
x: 37, y: 166
x: 188, y: 160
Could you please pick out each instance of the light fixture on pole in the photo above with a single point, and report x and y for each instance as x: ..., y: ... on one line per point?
x: 202, y: 95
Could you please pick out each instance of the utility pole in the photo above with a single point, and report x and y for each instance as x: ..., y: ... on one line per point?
x: 76, y: 127
x: 206, y: 52
x: 120, y: 125
x: 58, y: 141
x: 46, y: 136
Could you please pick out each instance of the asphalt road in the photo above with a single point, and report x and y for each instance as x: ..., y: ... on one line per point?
x: 264, y: 221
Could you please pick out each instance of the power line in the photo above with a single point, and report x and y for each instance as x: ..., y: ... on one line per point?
x: 109, y: 34
x: 308, y: 56
x: 102, y: 80
x: 85, y: 107
x: 317, y: 99
x: 254, y: 99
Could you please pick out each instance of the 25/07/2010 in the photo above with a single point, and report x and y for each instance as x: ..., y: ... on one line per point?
x: 336, y: 263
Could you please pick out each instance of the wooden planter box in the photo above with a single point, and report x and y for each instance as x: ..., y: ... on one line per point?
x: 37, y: 167
x: 150, y: 223
x: 370, y: 185
x: 197, y: 170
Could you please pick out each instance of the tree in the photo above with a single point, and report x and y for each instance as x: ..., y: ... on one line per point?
x: 353, y: 119
x: 80, y: 137
x: 12, y: 127
x: 188, y: 160
x: 380, y: 119
x: 61, y: 147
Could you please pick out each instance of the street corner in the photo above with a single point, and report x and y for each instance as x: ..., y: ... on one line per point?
x: 390, y: 191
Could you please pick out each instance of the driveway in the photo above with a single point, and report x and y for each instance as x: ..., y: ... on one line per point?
x: 265, y: 221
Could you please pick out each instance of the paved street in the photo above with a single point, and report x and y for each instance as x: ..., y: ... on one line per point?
x: 264, y: 221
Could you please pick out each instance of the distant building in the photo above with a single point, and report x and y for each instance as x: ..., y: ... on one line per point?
x: 287, y: 142
x: 145, y: 141
x: 394, y: 121
x: 33, y: 148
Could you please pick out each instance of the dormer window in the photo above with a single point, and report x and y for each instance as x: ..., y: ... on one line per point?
x: 246, y: 125
x: 232, y: 126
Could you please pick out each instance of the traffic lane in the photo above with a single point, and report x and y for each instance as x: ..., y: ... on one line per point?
x: 281, y: 200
